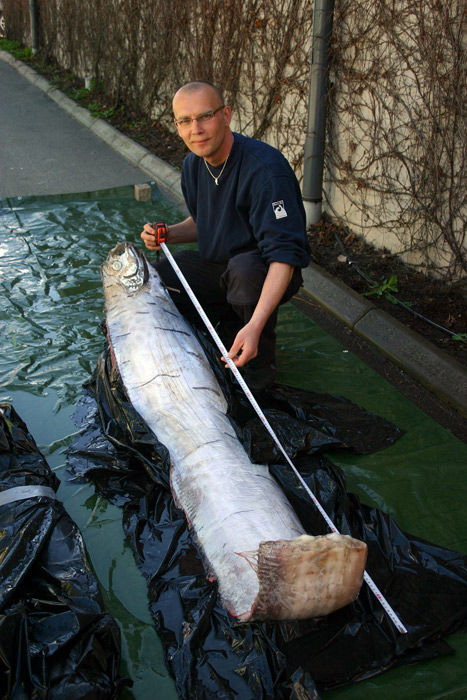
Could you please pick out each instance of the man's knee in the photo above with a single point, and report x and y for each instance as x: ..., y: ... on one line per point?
x: 244, y: 278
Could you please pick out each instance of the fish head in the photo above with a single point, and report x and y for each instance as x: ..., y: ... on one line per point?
x: 125, y: 266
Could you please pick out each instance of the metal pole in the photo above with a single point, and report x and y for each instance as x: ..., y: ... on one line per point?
x: 34, y: 32
x: 317, y: 106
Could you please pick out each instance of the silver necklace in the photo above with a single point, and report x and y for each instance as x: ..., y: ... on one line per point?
x: 216, y: 179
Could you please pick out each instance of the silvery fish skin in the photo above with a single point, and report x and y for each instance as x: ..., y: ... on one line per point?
x: 266, y: 567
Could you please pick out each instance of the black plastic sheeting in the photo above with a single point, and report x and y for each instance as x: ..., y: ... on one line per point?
x: 208, y: 653
x: 56, y: 640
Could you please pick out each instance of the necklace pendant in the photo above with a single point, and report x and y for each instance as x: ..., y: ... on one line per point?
x: 216, y: 179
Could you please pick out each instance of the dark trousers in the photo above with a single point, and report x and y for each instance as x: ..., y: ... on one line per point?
x: 228, y: 293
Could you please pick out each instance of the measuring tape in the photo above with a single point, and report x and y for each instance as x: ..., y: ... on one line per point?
x: 161, y: 237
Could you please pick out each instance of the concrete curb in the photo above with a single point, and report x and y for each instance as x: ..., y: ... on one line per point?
x: 422, y: 360
x: 433, y: 369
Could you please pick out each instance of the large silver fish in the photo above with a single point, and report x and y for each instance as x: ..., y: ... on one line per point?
x: 266, y: 567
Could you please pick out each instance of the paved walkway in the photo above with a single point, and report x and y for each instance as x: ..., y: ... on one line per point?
x: 44, y: 150
x: 49, y: 148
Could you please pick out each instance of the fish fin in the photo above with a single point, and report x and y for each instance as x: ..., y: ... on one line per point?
x: 251, y: 557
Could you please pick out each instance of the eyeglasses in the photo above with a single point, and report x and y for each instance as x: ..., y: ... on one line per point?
x: 201, y: 118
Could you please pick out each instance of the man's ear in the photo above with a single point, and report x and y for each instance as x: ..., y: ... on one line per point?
x: 227, y: 115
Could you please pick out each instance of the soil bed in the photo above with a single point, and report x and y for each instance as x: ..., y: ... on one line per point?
x: 346, y: 256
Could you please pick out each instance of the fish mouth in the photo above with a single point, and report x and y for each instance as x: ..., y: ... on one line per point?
x: 126, y: 266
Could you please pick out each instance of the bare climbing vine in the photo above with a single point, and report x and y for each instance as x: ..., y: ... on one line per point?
x: 397, y: 132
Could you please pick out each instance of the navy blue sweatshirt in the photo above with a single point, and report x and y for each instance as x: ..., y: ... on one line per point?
x: 257, y: 204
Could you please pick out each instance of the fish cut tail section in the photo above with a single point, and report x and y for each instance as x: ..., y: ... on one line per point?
x: 307, y: 576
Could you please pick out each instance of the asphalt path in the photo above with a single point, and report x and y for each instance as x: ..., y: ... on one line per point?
x: 43, y: 150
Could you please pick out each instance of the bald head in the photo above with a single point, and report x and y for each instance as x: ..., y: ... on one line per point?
x: 200, y: 86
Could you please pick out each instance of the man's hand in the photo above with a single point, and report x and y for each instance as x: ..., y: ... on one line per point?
x: 245, y: 345
x: 149, y: 237
x: 183, y: 232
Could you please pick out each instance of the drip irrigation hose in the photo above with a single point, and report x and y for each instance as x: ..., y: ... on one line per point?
x: 388, y: 294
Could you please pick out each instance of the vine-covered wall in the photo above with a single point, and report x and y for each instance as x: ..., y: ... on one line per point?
x: 396, y: 138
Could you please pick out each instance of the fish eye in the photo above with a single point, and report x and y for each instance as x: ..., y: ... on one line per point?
x: 116, y: 265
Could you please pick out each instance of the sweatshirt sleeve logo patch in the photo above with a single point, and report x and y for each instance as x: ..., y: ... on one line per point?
x: 279, y: 209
